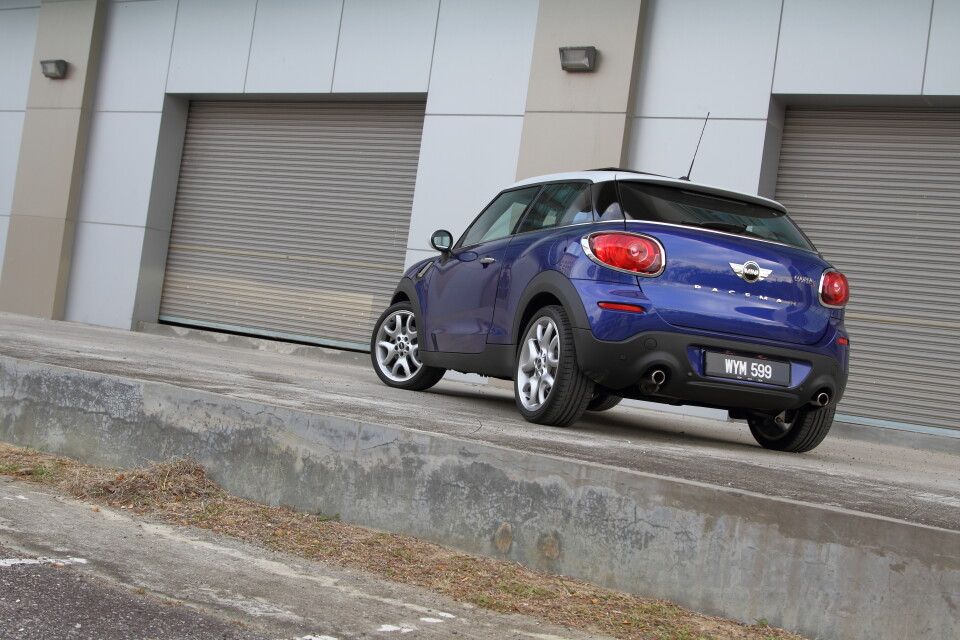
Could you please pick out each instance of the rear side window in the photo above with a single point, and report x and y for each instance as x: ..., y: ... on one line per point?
x: 697, y: 209
x: 500, y: 217
x: 559, y: 205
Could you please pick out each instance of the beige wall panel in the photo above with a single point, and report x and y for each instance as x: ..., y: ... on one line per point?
x: 36, y: 261
x: 555, y: 142
x: 35, y: 269
x: 65, y: 34
x: 609, y: 25
x: 578, y: 120
x: 48, y: 157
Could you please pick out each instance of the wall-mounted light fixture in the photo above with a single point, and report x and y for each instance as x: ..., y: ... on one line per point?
x: 54, y: 68
x: 578, y: 58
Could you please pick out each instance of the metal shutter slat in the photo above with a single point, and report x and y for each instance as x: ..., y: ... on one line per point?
x: 878, y: 192
x: 291, y: 218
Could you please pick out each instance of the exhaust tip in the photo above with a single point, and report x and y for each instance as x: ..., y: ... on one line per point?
x: 822, y: 399
x: 652, y: 381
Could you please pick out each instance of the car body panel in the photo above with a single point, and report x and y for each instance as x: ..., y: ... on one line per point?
x: 460, y: 293
x: 700, y: 288
x: 472, y: 315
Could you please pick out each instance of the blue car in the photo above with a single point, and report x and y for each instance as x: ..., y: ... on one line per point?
x: 586, y: 288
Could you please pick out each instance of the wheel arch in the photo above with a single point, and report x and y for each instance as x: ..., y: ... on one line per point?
x: 547, y: 288
x: 406, y: 291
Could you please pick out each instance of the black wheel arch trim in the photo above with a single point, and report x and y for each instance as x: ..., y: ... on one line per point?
x: 406, y: 290
x: 557, y: 285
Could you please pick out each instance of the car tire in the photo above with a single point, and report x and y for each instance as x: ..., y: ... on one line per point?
x: 603, y: 401
x: 549, y: 386
x: 394, y: 351
x: 803, y: 430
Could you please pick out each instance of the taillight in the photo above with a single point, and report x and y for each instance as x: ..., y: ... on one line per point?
x: 633, y: 253
x: 834, y: 290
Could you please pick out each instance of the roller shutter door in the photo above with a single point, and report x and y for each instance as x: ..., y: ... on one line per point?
x: 878, y: 192
x: 291, y: 219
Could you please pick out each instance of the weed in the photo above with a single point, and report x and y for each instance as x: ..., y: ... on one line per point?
x: 322, y: 517
x: 490, y: 603
x: 42, y: 472
x: 402, y: 554
x: 519, y: 589
x: 180, y: 492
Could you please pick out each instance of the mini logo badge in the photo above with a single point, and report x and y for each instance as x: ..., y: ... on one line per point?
x: 750, y: 271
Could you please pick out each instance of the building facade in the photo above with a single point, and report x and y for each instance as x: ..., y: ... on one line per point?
x: 270, y: 166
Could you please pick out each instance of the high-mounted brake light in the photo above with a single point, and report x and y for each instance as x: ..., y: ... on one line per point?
x: 630, y: 252
x: 834, y: 290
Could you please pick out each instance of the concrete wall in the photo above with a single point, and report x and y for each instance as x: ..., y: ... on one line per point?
x: 52, y: 142
x: 498, y: 106
x: 18, y: 32
x: 823, y: 572
x: 743, y: 60
x: 114, y: 235
x: 474, y: 118
x: 579, y: 120
x: 471, y: 59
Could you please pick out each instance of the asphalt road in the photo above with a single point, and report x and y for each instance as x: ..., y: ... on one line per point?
x: 70, y: 572
x: 915, y: 485
x: 51, y: 599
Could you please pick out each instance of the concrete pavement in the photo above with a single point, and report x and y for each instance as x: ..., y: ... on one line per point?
x: 124, y: 577
x: 862, y: 533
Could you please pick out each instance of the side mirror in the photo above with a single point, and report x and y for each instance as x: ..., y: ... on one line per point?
x: 441, y: 240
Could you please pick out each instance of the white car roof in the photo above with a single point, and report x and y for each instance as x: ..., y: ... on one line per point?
x: 606, y: 175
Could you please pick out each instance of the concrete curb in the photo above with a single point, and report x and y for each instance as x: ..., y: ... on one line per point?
x: 820, y: 571
x: 896, y: 437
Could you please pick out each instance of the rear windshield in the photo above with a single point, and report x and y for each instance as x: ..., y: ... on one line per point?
x: 694, y: 208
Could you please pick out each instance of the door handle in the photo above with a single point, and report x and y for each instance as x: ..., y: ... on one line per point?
x: 487, y: 260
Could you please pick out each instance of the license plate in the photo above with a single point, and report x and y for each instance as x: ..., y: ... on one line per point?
x: 723, y: 365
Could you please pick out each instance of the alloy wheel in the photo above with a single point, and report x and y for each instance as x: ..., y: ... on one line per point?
x: 538, y: 363
x: 397, y: 346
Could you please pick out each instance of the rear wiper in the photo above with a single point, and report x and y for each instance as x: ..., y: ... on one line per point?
x: 719, y: 226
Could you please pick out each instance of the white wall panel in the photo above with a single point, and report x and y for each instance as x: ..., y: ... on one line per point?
x: 18, y: 4
x: 18, y: 32
x: 385, y: 46
x: 121, y: 152
x: 294, y: 46
x: 708, y: 56
x: 482, y: 57
x: 153, y: 264
x: 211, y: 46
x: 852, y: 47
x: 4, y: 225
x: 135, y: 56
x: 11, y: 131
x: 483, y: 151
x: 730, y: 154
x: 943, y: 71
x: 103, y: 277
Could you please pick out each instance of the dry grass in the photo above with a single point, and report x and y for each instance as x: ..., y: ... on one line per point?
x: 180, y: 492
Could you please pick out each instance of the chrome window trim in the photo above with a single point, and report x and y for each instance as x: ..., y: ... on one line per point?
x: 585, y: 244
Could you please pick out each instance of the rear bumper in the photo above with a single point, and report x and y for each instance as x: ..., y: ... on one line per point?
x: 621, y: 366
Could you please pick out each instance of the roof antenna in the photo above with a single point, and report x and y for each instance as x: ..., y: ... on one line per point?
x: 690, y: 170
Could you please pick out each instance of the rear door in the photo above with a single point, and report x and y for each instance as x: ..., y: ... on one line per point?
x: 532, y: 249
x: 459, y: 293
